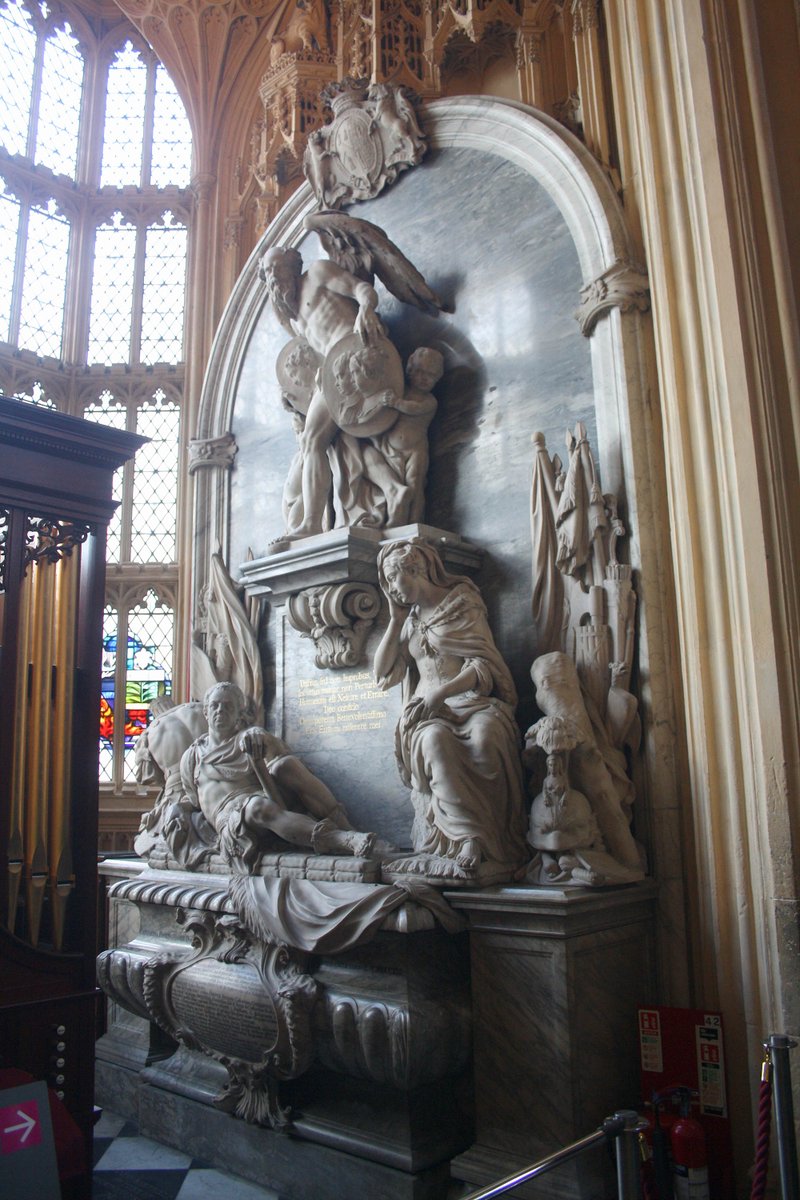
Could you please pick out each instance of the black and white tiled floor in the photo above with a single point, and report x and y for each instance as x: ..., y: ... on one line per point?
x: 130, y: 1167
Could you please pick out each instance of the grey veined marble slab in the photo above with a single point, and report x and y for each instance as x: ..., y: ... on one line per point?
x: 492, y: 242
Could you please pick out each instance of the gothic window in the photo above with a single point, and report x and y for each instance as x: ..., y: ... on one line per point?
x: 137, y: 669
x: 141, y: 539
x: 95, y: 213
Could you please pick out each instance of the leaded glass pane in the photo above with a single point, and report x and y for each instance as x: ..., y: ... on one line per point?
x: 44, y: 281
x: 149, y: 668
x: 17, y: 56
x: 112, y: 292
x: 60, y: 105
x: 172, y: 137
x: 155, y: 487
x: 9, y: 232
x: 106, y: 412
x: 163, y: 293
x: 107, y: 689
x: 124, y: 124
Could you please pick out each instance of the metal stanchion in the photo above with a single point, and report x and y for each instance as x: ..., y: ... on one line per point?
x: 629, y: 1162
x: 779, y: 1046
x: 624, y: 1127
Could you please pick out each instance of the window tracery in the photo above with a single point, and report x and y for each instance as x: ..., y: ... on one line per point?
x: 95, y: 213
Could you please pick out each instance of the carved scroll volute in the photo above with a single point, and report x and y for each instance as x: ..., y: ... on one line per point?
x: 337, y: 618
x: 270, y: 995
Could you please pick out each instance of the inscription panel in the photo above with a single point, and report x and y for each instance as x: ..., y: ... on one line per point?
x: 342, y: 726
x: 227, y: 1007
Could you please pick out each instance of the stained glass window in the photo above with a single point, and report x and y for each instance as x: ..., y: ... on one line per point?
x: 60, y: 104
x: 9, y: 236
x: 143, y: 673
x: 37, y: 395
x: 110, y: 623
x: 102, y: 311
x: 107, y: 412
x: 172, y: 138
x: 148, y: 672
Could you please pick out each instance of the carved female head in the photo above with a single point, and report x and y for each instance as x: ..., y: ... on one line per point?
x: 413, y: 558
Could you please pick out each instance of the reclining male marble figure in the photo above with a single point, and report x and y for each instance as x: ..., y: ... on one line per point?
x: 244, y: 793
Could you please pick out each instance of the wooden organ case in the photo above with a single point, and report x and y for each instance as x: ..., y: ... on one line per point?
x: 56, y: 482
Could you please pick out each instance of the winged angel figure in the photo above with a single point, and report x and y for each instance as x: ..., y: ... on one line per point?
x: 341, y: 376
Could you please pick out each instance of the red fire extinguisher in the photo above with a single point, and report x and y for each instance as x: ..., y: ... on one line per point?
x: 688, y: 1151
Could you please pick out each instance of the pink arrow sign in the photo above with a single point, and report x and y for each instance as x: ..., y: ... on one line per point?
x: 19, y: 1127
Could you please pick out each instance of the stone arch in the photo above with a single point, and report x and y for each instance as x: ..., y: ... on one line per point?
x: 611, y: 302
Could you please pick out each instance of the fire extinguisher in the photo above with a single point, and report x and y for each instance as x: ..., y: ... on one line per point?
x: 688, y: 1151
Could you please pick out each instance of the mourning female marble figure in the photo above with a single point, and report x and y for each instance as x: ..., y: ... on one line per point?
x: 456, y: 741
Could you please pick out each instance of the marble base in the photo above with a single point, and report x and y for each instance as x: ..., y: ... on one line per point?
x: 557, y: 976
x: 295, y: 1168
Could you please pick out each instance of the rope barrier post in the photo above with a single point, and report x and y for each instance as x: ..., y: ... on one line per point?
x: 628, y: 1158
x: 761, y: 1165
x: 779, y: 1046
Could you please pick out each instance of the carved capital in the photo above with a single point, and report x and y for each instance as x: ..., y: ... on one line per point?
x: 624, y: 285
x: 337, y: 618
x: 212, y: 452
x: 202, y: 186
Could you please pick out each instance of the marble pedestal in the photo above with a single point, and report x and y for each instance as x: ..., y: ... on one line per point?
x: 557, y: 976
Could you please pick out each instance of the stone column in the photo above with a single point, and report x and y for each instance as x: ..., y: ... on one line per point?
x: 707, y: 173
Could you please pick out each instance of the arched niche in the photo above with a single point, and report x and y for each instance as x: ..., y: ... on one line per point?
x: 515, y: 223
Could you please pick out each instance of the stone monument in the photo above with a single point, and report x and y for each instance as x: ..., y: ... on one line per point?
x: 341, y: 965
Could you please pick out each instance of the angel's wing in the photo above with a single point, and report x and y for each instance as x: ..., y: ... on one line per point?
x: 364, y: 250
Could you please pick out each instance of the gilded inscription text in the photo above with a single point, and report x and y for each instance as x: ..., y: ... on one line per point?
x: 340, y: 704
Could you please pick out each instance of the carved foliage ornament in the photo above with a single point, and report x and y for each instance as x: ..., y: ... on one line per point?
x: 374, y: 136
x: 585, y: 16
x: 49, y: 540
x: 624, y: 285
x: 262, y: 1035
x: 212, y: 452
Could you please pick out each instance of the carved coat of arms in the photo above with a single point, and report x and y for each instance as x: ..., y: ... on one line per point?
x: 373, y: 136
